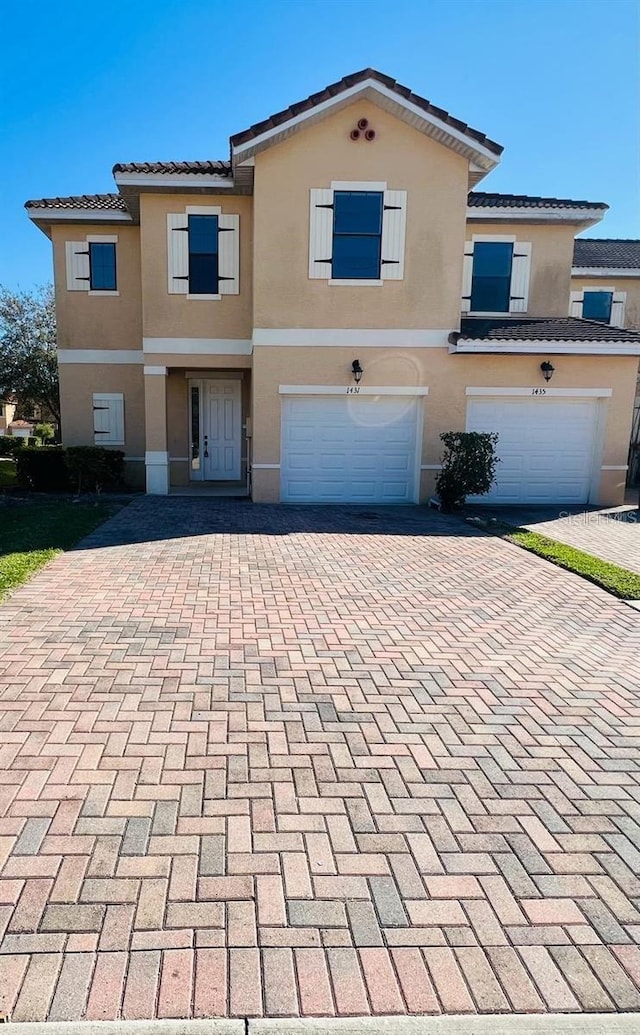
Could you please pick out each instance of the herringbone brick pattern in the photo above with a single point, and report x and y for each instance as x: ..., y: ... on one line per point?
x: 273, y: 761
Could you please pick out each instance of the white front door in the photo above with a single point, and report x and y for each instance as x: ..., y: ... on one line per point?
x: 222, y: 430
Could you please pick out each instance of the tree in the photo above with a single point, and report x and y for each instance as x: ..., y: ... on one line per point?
x: 28, y: 361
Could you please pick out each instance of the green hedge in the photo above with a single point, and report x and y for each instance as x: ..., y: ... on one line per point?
x: 9, y: 446
x: 76, y: 468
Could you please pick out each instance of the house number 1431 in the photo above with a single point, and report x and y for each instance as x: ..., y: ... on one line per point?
x: 353, y: 390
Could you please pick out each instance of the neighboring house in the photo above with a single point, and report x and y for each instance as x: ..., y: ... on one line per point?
x: 605, y: 286
x: 307, y: 318
x: 21, y: 429
x: 7, y: 410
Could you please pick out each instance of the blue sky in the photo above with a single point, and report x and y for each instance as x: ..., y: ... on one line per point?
x: 85, y: 85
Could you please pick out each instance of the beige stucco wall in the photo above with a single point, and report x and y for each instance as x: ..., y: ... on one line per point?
x: 447, y: 377
x: 78, y: 382
x: 436, y: 183
x: 86, y: 321
x: 551, y: 255
x: 6, y: 415
x: 631, y: 285
x: 176, y: 316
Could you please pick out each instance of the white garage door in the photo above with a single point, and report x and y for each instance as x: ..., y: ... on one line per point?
x: 546, y: 447
x: 353, y: 449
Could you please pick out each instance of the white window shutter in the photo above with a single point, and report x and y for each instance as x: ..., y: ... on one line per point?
x: 394, y: 222
x: 77, y: 256
x: 467, y: 276
x: 178, y: 253
x: 618, y: 306
x: 108, y: 418
x: 520, y: 270
x: 320, y: 233
x: 575, y: 305
x: 229, y: 255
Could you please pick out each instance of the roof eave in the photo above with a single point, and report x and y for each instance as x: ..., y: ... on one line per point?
x: 583, y: 217
x: 605, y: 271
x: 184, y: 180
x: 485, y: 158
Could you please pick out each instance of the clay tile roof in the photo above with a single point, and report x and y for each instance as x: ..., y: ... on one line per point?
x: 218, y: 168
x: 481, y: 199
x: 607, y: 251
x: 352, y: 80
x: 562, y: 328
x: 100, y: 202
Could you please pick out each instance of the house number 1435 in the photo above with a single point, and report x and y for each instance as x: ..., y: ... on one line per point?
x: 538, y: 391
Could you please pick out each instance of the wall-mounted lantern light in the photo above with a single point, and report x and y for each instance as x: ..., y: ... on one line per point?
x: 357, y: 371
x: 547, y: 369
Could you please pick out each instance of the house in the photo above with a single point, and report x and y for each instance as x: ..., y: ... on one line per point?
x: 7, y: 410
x: 21, y: 428
x: 302, y: 321
x: 605, y: 286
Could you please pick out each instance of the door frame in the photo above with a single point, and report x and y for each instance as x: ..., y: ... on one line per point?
x: 199, y: 383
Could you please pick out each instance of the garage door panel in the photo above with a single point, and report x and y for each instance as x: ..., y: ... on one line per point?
x: 546, y: 447
x: 368, y: 443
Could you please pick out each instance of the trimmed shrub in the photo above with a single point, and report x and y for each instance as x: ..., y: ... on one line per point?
x: 468, y: 466
x: 45, y: 432
x: 42, y: 469
x: 9, y: 446
x: 94, y: 468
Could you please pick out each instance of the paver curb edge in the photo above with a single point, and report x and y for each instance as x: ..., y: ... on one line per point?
x: 214, y: 1026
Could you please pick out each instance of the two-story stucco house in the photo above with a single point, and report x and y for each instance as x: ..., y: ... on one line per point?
x: 605, y: 286
x: 7, y: 411
x: 304, y: 320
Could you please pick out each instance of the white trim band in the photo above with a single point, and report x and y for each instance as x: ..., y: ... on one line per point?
x: 87, y: 215
x: 187, y: 179
x: 554, y: 348
x: 199, y: 346
x: 352, y: 390
x: 430, y: 467
x: 543, y: 391
x: 489, y: 214
x: 265, y: 467
x: 361, y: 337
x: 615, y: 467
x: 156, y: 370
x: 106, y: 356
x: 605, y: 271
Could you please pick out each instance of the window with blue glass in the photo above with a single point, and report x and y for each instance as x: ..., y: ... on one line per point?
x: 203, y: 255
x: 596, y: 305
x: 102, y: 266
x: 357, y: 235
x: 491, y: 278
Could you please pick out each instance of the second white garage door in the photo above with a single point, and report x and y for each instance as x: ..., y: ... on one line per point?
x: 546, y: 447
x: 353, y: 449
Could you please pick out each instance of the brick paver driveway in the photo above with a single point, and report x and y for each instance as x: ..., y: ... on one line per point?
x: 291, y: 760
x: 610, y: 533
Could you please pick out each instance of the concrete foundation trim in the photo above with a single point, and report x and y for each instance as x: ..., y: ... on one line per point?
x: 489, y: 1024
x: 157, y: 468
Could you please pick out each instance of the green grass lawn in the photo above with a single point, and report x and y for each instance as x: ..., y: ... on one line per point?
x: 622, y: 583
x: 7, y: 473
x: 33, y: 532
